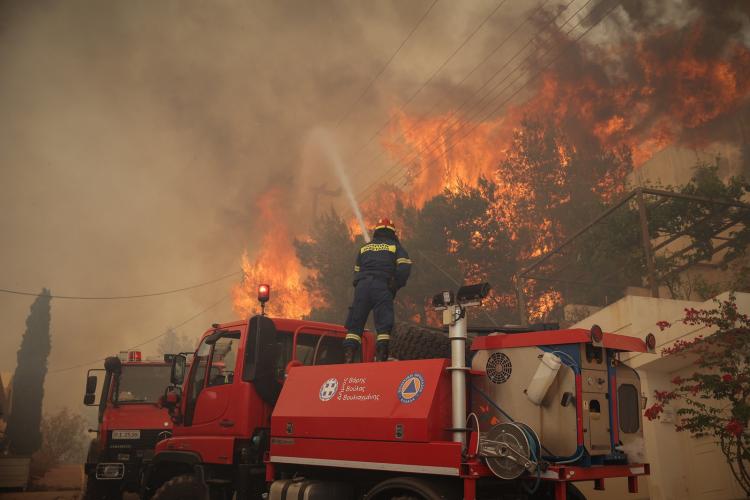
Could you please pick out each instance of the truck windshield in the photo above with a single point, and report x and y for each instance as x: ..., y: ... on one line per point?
x: 142, y: 383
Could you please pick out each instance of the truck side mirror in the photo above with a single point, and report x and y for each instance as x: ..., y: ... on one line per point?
x: 178, y: 369
x: 91, y: 381
x: 89, y: 398
x: 171, y: 398
x: 171, y: 401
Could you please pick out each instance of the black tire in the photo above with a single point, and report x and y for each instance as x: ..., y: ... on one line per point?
x: 409, y: 341
x: 101, y: 490
x: 413, y: 488
x: 185, y: 487
x: 574, y: 493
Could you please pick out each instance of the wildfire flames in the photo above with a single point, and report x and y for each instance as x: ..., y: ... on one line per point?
x: 665, y: 89
x: 662, y: 100
x: 275, y: 264
x: 666, y: 97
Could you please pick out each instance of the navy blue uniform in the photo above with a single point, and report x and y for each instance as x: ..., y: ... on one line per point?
x: 381, y: 268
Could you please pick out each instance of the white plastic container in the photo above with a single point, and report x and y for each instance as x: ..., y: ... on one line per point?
x: 545, y: 374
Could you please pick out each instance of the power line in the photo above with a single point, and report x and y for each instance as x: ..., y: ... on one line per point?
x: 179, y: 325
x: 453, y: 142
x: 385, y: 66
x: 469, y: 74
x: 432, y: 76
x: 121, y: 297
x: 453, y: 116
x: 497, y: 108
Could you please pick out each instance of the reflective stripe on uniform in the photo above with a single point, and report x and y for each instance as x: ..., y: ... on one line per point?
x: 378, y: 247
x: 356, y: 269
x: 383, y: 336
x: 353, y: 336
x: 403, y: 260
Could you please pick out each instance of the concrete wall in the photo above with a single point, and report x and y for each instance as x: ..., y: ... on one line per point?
x: 673, y: 166
x: 682, y: 467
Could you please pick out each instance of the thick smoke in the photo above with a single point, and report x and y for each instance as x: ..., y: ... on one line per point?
x: 673, y: 72
x: 137, y: 137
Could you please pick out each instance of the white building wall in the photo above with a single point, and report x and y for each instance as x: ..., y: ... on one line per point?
x: 682, y: 467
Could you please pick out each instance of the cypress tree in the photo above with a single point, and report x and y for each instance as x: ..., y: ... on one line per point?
x: 23, y: 433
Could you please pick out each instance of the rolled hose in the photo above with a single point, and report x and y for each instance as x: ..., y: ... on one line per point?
x: 549, y: 458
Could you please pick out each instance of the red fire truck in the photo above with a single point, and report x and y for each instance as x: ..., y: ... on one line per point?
x: 131, y: 422
x: 530, y: 414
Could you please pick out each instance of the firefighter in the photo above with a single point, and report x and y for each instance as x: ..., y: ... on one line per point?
x: 381, y: 268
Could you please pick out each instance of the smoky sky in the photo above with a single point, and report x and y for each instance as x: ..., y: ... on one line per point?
x: 137, y: 136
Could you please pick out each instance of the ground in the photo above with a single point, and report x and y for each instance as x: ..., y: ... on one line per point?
x: 61, y: 483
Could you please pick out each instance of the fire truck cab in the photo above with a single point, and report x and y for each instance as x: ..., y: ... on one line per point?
x: 223, y: 409
x: 131, y: 422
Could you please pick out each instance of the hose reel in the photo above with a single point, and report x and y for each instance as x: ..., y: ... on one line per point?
x: 510, y: 449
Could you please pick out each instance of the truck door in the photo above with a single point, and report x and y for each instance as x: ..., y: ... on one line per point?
x: 211, y: 384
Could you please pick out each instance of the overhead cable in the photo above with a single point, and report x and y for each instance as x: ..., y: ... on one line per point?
x: 433, y: 75
x: 122, y: 297
x: 385, y: 66
x: 368, y: 192
x: 171, y: 328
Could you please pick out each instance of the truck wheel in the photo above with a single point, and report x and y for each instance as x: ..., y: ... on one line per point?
x: 185, y: 487
x: 412, y: 488
x: 100, y: 490
x: 409, y: 341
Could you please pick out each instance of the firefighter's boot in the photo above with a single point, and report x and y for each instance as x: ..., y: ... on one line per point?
x: 349, y: 351
x: 382, y: 351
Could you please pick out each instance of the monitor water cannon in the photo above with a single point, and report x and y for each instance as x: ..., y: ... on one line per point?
x: 454, y: 315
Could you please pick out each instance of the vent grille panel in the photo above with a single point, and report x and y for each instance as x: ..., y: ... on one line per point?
x: 499, y: 368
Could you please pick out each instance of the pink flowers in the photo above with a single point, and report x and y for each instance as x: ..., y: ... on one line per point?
x: 691, y: 315
x: 663, y: 325
x: 735, y: 428
x: 654, y: 411
x: 727, y: 377
x: 662, y: 395
x: 678, y: 380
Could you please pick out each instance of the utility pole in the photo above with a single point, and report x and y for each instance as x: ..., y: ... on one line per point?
x: 646, y: 241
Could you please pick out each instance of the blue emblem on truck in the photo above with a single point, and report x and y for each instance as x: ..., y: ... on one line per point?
x: 411, y: 388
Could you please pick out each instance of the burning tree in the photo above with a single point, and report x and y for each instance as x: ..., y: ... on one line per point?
x: 529, y: 174
x: 716, y: 397
x: 330, y: 251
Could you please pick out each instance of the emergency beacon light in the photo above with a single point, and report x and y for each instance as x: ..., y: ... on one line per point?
x: 264, y: 293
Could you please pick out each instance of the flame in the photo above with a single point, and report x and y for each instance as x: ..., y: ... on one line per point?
x: 275, y: 263
x: 664, y: 98
x: 543, y: 304
x: 664, y: 91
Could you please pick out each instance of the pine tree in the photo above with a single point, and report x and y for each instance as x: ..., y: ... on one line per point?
x: 24, y: 435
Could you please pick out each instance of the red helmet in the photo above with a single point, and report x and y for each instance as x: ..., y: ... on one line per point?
x: 385, y: 223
